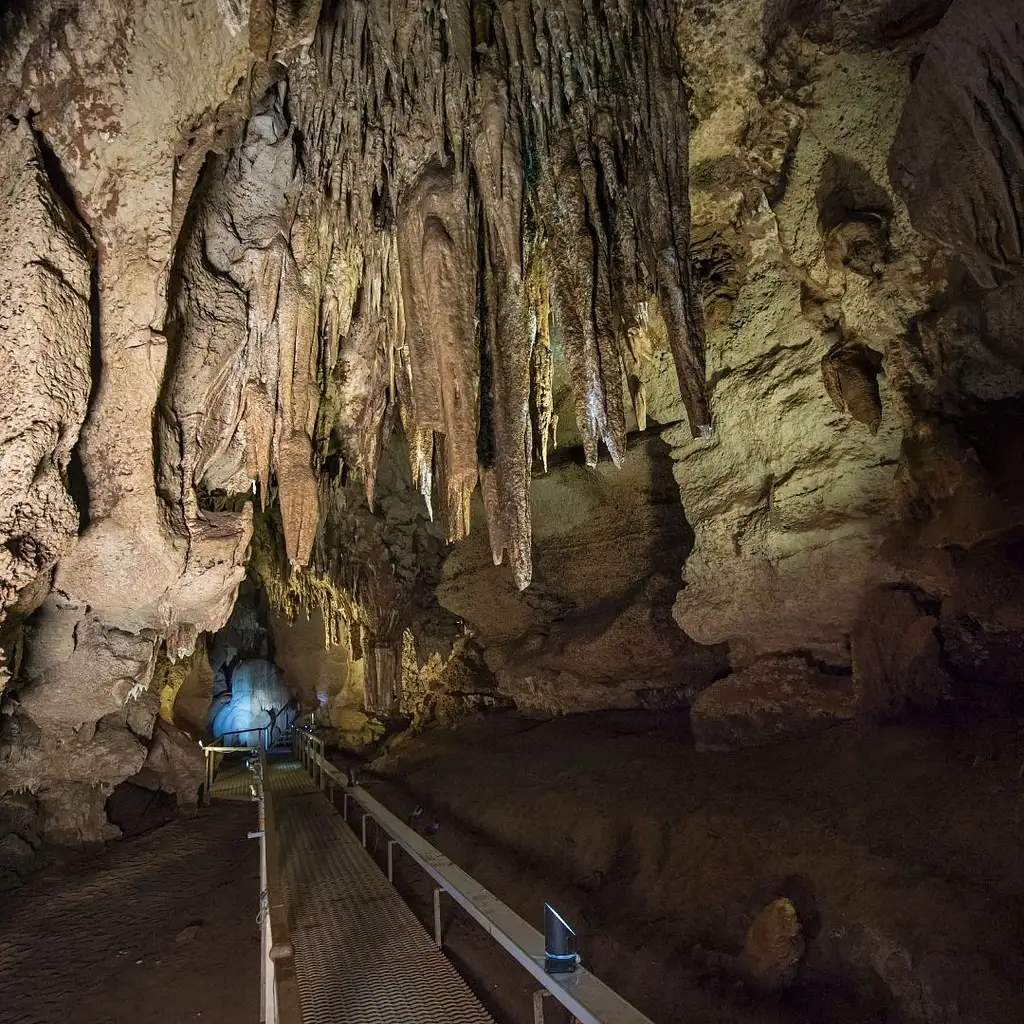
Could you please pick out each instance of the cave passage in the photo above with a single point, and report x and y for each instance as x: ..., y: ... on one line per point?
x: 250, y: 705
x: 597, y: 425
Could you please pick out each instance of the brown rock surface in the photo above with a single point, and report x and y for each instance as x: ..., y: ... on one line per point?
x: 958, y: 157
x: 897, y: 658
x: 177, y: 761
x: 74, y: 813
x: 767, y: 702
x: 101, y: 756
x: 264, y: 237
x: 45, y: 378
x: 78, y: 670
x: 594, y: 628
x: 774, y: 947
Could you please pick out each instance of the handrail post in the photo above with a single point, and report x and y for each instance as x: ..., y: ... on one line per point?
x: 437, y: 916
x: 585, y: 996
x: 538, y: 1005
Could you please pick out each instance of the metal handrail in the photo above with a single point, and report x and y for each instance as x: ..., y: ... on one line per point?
x: 279, y: 993
x: 582, y: 993
x: 280, y: 986
x: 213, y: 754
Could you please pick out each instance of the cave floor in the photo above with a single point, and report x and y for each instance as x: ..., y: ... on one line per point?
x: 152, y: 930
x: 901, y: 848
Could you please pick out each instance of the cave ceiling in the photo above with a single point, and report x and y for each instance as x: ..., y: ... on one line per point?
x: 404, y: 218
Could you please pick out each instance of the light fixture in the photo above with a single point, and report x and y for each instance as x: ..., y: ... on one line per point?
x: 560, y: 956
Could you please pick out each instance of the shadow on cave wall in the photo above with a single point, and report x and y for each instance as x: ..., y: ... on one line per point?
x: 595, y: 627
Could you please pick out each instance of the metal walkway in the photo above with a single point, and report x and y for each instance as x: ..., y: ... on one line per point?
x: 233, y: 783
x: 361, y: 957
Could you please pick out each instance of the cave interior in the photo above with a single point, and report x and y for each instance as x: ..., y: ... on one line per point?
x: 601, y: 423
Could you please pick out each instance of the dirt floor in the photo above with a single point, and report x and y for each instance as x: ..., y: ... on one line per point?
x: 160, y: 929
x: 900, y: 847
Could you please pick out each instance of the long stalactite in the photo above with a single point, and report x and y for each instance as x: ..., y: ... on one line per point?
x: 446, y: 186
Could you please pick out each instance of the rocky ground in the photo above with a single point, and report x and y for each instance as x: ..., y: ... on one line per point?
x: 859, y: 876
x: 900, y: 849
x: 157, y: 930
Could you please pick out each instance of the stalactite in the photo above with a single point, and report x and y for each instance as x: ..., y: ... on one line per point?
x: 421, y: 460
x: 571, y: 255
x: 506, y: 481
x: 450, y: 133
x: 541, y: 362
x: 459, y: 167
x: 437, y: 250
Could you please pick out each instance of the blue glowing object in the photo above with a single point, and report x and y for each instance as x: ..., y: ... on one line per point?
x: 242, y: 716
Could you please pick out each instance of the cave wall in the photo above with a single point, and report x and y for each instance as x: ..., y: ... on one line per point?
x: 792, y: 497
x: 865, y: 385
x: 111, y: 110
x: 281, y: 284
x: 595, y: 629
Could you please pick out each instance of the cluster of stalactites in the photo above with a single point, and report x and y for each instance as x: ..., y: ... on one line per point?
x: 508, y: 171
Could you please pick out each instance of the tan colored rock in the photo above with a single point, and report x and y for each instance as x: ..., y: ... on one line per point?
x: 116, y: 119
x: 101, y: 755
x: 773, y: 948
x: 192, y: 697
x: 790, y: 500
x: 45, y: 376
x: 770, y: 701
x: 594, y: 630
x: 177, y: 761
x: 311, y: 667
x: 75, y: 813
x: 355, y: 730
x: 126, y: 100
x: 78, y: 670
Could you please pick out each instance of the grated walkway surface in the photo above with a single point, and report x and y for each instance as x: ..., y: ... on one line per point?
x: 233, y: 782
x: 361, y: 957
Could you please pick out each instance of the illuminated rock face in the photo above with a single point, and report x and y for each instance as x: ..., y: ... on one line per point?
x: 111, y: 108
x: 404, y: 218
x: 254, y: 255
x: 256, y: 699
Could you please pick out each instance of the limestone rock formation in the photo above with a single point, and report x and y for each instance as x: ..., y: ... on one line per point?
x: 807, y: 515
x: 850, y: 375
x: 594, y: 630
x: 282, y: 283
x: 75, y: 813
x: 45, y: 375
x: 774, y: 947
x: 958, y: 158
x: 897, y: 657
x: 101, y: 755
x: 117, y: 96
x: 177, y: 762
